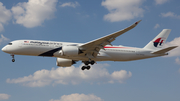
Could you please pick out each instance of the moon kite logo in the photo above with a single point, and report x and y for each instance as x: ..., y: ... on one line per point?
x: 158, y: 41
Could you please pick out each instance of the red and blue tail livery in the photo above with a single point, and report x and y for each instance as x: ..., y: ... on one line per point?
x: 158, y: 41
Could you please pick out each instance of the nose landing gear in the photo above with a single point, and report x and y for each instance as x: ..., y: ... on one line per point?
x: 13, y: 60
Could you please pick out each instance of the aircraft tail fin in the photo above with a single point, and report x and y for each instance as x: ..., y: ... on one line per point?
x: 163, y: 51
x: 159, y: 40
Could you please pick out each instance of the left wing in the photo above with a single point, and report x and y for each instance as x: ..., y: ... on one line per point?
x: 91, y: 49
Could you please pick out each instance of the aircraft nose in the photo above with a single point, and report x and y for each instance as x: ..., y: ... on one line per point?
x: 4, y: 49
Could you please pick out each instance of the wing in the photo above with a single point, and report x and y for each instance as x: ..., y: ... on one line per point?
x: 91, y: 49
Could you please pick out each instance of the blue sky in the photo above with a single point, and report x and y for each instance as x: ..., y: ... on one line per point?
x: 39, y: 79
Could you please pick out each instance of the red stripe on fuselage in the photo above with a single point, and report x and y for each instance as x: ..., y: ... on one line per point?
x: 115, y: 47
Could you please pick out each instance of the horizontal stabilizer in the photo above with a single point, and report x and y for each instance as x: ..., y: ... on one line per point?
x: 162, y: 51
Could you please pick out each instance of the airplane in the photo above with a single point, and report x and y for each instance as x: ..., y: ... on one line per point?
x: 89, y: 53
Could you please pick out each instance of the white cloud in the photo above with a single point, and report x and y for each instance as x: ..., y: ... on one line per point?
x: 170, y: 14
x: 70, y: 4
x: 34, y: 12
x: 156, y: 26
x: 4, y: 96
x: 79, y: 97
x: 176, y: 51
x: 120, y: 76
x: 3, y: 39
x: 5, y: 16
x: 121, y: 10
x: 159, y: 2
x: 177, y: 61
x: 71, y: 75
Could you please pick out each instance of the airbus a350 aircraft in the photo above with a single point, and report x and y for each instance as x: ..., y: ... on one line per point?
x: 100, y: 49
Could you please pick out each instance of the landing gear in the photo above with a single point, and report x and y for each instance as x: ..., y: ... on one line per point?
x: 87, y: 64
x: 86, y: 67
x: 13, y: 60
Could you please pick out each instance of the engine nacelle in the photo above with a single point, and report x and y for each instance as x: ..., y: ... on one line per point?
x: 69, y: 51
x: 64, y: 62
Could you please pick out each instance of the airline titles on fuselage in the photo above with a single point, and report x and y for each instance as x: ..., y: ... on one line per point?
x: 41, y: 43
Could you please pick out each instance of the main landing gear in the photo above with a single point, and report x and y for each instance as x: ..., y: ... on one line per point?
x: 87, y: 64
x: 86, y: 67
x: 13, y: 60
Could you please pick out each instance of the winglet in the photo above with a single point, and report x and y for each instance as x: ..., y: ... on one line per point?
x: 138, y: 22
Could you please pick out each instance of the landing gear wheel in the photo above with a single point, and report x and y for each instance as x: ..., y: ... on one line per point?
x: 89, y: 62
x: 92, y: 62
x: 88, y: 67
x: 86, y: 63
x: 13, y: 60
x: 83, y: 68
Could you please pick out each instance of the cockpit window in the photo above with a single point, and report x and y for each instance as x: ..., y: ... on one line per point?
x: 9, y: 43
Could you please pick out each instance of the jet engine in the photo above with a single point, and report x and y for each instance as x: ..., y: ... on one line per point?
x: 70, y: 51
x: 64, y: 62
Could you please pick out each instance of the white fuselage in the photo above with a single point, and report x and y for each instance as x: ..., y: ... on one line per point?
x: 96, y: 50
x: 52, y: 49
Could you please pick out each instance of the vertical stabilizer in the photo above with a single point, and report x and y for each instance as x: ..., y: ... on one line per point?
x: 159, y: 40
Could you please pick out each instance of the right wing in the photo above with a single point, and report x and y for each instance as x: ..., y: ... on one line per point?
x: 92, y: 48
